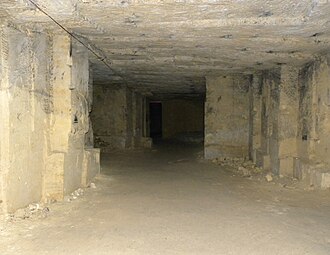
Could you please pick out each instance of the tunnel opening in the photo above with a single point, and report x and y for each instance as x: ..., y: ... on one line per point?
x: 128, y: 118
x: 183, y: 120
x: 177, y: 120
x: 156, y: 120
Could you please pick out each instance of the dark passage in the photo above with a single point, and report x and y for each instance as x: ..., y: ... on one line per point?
x: 156, y: 120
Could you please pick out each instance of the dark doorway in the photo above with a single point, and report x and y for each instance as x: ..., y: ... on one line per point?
x: 156, y: 119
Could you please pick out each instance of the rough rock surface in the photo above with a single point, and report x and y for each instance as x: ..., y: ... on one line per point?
x: 180, y: 42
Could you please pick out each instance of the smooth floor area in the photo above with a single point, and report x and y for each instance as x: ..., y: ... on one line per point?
x: 168, y: 201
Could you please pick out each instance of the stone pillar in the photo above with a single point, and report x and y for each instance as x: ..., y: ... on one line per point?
x: 60, y: 119
x: 23, y: 116
x: 288, y: 115
x: 227, y: 116
x: 279, y: 120
x: 89, y: 137
x: 129, y: 136
x: 44, y: 118
x: 112, y: 116
x: 4, y: 122
x: 313, y: 161
x: 146, y: 140
x: 255, y: 117
x: 117, y: 117
x: 137, y: 119
x: 262, y: 154
x: 69, y: 164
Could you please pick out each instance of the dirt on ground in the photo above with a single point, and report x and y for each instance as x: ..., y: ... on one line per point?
x: 169, y: 201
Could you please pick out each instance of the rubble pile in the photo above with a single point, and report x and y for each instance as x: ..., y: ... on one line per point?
x: 246, y: 168
x: 34, y: 210
x: 74, y: 195
x: 240, y: 166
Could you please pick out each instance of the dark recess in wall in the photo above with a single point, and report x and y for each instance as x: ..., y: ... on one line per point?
x: 156, y: 119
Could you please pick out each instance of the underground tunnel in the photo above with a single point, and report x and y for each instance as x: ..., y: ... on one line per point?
x: 164, y: 127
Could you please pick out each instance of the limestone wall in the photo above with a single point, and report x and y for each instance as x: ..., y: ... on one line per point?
x: 313, y: 143
x: 117, y: 117
x: 44, y: 118
x: 79, y: 116
x: 109, y: 117
x: 138, y: 119
x: 293, y: 121
x: 255, y: 104
x: 279, y: 118
x: 314, y: 123
x: 227, y: 116
x: 23, y: 106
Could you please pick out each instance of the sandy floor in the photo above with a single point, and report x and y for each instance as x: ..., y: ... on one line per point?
x: 167, y: 202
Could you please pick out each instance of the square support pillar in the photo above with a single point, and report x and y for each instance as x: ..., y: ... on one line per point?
x: 279, y: 120
x: 110, y: 117
x: 227, y: 116
x: 21, y: 155
x: 44, y: 109
x: 255, y: 117
x: 288, y: 115
x: 68, y: 160
x: 60, y: 118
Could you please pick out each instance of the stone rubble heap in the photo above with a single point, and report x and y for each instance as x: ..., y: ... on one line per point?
x: 41, y: 210
x: 246, y: 168
x: 34, y: 210
x: 74, y: 195
x: 240, y: 166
